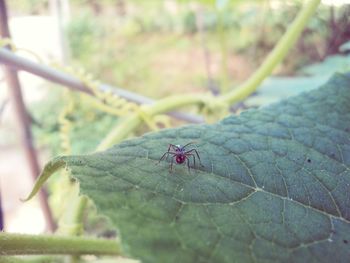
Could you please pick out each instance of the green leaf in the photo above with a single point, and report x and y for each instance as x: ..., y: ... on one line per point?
x: 275, y: 186
x: 331, y: 65
x: 274, y: 89
x: 345, y: 47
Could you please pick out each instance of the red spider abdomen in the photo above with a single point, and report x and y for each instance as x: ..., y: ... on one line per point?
x: 180, y: 158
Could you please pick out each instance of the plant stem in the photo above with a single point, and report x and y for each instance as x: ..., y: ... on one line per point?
x: 71, y: 222
x: 224, y: 81
x: 20, y: 244
x: 31, y: 259
x: 276, y: 55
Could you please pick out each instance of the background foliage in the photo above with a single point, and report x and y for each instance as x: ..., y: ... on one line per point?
x: 157, y: 48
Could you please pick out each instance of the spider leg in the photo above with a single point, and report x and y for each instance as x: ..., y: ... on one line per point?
x: 167, y: 155
x: 161, y: 158
x: 194, y: 158
x: 183, y: 147
x: 194, y: 150
x: 171, y: 165
x: 188, y: 165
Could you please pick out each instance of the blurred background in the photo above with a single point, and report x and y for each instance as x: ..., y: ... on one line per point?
x: 153, y: 48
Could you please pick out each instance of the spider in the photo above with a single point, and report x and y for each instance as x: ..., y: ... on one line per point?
x: 180, y: 154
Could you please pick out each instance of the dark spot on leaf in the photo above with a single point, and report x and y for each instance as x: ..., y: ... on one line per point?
x: 72, y: 180
x: 309, y: 160
x: 345, y: 241
x: 108, y: 233
x: 177, y: 218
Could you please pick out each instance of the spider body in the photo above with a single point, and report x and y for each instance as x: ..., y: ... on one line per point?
x: 180, y: 159
x: 180, y: 154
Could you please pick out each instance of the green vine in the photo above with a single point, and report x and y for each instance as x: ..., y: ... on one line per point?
x: 20, y: 244
x: 33, y: 259
x: 71, y: 221
x: 276, y: 55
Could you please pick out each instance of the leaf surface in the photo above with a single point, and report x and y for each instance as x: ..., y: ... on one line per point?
x: 274, y: 186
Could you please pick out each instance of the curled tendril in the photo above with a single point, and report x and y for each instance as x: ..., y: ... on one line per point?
x: 65, y: 123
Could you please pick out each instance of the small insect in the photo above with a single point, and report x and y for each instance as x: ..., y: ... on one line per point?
x: 180, y: 154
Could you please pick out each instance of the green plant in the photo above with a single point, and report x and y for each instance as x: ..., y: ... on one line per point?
x: 273, y: 187
x: 291, y: 158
